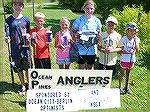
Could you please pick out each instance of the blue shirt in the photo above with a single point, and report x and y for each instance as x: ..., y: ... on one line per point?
x: 14, y: 30
x: 82, y: 23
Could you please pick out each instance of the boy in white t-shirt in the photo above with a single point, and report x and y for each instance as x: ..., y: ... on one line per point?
x: 129, y: 44
x: 108, y: 46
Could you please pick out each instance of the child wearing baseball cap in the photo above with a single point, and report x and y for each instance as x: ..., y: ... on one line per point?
x: 108, y: 46
x: 130, y: 45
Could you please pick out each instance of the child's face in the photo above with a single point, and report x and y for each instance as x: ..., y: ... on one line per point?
x: 131, y: 33
x: 64, y: 25
x: 110, y: 25
x: 89, y: 9
x: 17, y: 7
x: 39, y: 22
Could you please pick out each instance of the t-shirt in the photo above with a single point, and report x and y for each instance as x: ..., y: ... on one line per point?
x: 127, y: 46
x: 15, y: 29
x: 41, y: 48
x: 82, y: 23
x: 62, y: 40
x: 110, y: 40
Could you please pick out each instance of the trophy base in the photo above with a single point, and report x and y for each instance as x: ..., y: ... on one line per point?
x: 25, y: 45
x: 48, y: 42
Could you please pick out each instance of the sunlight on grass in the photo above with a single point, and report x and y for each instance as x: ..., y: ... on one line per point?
x: 10, y: 101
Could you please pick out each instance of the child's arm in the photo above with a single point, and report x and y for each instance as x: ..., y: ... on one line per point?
x: 101, y: 49
x: 137, y: 45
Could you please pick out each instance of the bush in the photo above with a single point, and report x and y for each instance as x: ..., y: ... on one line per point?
x: 8, y: 8
x: 74, y: 5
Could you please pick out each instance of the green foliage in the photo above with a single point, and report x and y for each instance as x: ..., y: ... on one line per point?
x: 74, y: 5
x: 8, y: 8
x: 131, y: 14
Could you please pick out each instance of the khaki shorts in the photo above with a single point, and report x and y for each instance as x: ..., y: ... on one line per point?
x: 21, y: 64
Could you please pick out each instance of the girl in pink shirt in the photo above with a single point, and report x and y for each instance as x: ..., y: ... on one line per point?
x: 62, y: 43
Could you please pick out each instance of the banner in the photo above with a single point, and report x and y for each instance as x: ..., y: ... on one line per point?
x: 103, y: 98
x: 71, y: 100
x: 69, y: 79
x: 45, y: 100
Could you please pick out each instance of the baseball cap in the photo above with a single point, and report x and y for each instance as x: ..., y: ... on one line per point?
x: 112, y: 19
x: 132, y: 25
x: 18, y: 1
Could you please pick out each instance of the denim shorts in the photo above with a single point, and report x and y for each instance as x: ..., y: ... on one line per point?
x: 62, y: 61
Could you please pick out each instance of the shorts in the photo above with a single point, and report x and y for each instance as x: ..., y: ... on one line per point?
x: 127, y: 65
x: 20, y: 64
x: 89, y: 59
x: 44, y: 63
x: 110, y: 67
x: 62, y: 61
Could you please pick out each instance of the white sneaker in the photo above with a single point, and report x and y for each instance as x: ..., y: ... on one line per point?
x: 22, y: 92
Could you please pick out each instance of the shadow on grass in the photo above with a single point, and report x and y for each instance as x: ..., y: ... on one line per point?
x: 21, y: 103
x: 56, y: 7
x: 7, y: 88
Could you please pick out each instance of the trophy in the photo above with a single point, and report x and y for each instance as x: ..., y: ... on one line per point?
x: 34, y: 37
x: 65, y: 43
x: 25, y: 37
x: 49, y: 36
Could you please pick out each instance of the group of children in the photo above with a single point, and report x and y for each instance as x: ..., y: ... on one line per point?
x: 109, y: 43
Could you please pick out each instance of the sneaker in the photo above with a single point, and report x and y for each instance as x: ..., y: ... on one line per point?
x: 128, y: 91
x: 22, y: 92
x: 121, y: 90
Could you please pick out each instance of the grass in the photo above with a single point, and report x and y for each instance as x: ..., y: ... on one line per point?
x: 10, y: 101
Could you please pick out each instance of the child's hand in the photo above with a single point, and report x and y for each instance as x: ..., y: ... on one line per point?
x: 69, y: 38
x: 131, y: 51
x: 109, y: 50
x: 59, y: 46
x: 7, y: 39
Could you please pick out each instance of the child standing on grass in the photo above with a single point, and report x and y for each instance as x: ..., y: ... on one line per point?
x: 129, y: 44
x: 17, y: 25
x: 108, y: 46
x: 62, y: 43
x: 40, y: 45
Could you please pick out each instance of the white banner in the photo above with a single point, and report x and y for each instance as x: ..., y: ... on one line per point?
x: 69, y: 79
x: 70, y: 100
x: 45, y: 100
x: 99, y: 98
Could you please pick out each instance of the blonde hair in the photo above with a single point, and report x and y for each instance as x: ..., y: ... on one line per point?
x: 39, y: 15
x: 91, y: 2
x: 66, y: 19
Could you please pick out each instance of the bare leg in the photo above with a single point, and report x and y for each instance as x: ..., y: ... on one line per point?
x: 21, y: 78
x: 89, y: 66
x: 61, y: 66
x: 127, y: 78
x: 81, y: 66
x: 67, y: 66
x: 121, y: 77
x: 27, y: 76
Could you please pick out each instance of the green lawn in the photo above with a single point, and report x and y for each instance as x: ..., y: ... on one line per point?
x: 10, y: 101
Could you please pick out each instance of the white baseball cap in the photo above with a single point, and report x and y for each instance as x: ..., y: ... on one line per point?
x: 132, y: 25
x: 112, y: 19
